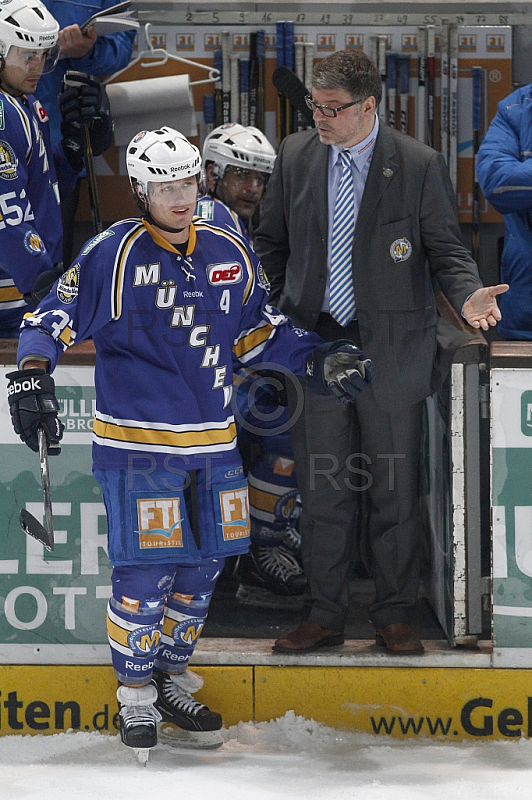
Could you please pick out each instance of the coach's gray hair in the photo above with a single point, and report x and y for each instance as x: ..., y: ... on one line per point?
x: 350, y: 70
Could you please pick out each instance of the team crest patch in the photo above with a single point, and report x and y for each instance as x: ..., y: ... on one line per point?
x: 262, y: 278
x: 400, y: 250
x: 96, y: 240
x: 205, y: 209
x: 2, y: 116
x: 34, y: 244
x: 140, y: 136
x: 67, y: 288
x: 8, y: 162
x: 185, y: 632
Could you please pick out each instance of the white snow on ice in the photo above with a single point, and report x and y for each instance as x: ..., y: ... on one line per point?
x: 287, y: 758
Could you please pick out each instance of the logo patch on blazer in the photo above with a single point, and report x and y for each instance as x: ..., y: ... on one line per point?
x: 400, y: 250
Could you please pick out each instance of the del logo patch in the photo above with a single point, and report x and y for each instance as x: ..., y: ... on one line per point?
x: 34, y: 244
x: 400, y: 250
x: 8, y: 162
x: 234, y: 507
x: 159, y: 523
x: 39, y: 110
x: 224, y: 274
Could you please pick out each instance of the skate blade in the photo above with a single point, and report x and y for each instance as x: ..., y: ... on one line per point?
x: 142, y: 754
x: 262, y: 598
x: 193, y: 740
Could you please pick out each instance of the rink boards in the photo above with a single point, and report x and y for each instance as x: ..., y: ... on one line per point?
x: 400, y: 702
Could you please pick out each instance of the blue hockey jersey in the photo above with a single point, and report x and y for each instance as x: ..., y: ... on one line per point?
x: 167, y: 329
x: 30, y: 218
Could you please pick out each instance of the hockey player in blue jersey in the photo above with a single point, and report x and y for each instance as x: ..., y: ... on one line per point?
x: 238, y: 161
x: 31, y: 230
x: 30, y: 219
x: 172, y: 304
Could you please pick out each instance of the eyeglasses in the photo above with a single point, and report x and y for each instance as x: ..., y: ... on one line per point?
x: 328, y: 111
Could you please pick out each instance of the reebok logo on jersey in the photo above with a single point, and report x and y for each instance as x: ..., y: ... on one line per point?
x: 224, y: 274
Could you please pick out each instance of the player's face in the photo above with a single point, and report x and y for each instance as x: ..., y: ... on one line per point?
x: 241, y: 190
x: 173, y: 203
x: 22, y: 70
x: 351, y: 125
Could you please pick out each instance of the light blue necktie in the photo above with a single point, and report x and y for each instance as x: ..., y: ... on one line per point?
x: 342, y: 295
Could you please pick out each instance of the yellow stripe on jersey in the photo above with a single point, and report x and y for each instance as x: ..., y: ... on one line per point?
x: 23, y: 118
x: 225, y: 434
x: 9, y: 293
x: 66, y: 335
x: 201, y: 225
x: 252, y: 339
x: 119, y: 268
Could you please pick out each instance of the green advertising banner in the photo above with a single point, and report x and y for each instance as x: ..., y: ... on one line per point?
x: 53, y: 604
x: 511, y: 436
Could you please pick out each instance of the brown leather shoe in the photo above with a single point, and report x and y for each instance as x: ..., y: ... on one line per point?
x: 307, y: 637
x: 399, y: 639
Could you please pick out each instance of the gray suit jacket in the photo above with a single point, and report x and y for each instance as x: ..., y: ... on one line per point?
x: 407, y: 238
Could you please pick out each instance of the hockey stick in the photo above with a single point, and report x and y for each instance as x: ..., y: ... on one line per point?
x: 421, y: 100
x: 453, y: 105
x: 28, y: 523
x: 391, y: 81
x: 431, y: 79
x: 289, y: 85
x: 91, y: 177
x: 404, y: 90
x: 478, y: 74
x: 226, y: 77
x: 444, y: 127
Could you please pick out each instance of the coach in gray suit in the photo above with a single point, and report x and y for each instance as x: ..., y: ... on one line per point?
x: 406, y: 240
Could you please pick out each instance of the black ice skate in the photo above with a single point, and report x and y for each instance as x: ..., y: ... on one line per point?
x: 138, y: 719
x: 270, y: 577
x: 185, y: 722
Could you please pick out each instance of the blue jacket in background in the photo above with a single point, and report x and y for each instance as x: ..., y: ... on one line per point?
x: 109, y: 54
x: 504, y: 170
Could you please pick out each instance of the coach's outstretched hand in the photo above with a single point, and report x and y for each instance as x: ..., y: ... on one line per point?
x: 339, y: 368
x: 33, y: 404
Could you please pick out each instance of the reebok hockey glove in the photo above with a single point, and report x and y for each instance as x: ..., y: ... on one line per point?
x: 84, y: 101
x: 339, y: 368
x: 33, y: 404
x: 43, y: 284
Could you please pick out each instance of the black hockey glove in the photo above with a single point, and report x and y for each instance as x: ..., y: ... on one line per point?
x: 84, y: 101
x: 339, y: 368
x: 43, y: 284
x: 33, y: 404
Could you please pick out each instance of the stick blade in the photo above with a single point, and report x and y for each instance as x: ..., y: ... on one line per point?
x: 33, y: 528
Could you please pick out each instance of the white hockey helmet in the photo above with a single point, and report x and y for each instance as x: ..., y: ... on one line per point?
x: 29, y: 25
x: 238, y: 146
x: 160, y: 156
